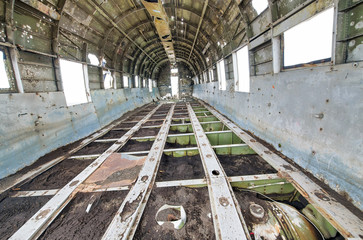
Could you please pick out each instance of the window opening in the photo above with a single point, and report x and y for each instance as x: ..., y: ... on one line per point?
x: 93, y: 59
x: 73, y: 82
x: 136, y: 81
x: 4, y: 78
x: 259, y: 5
x: 125, y: 81
x: 221, y: 75
x: 310, y: 41
x: 243, y: 70
x: 150, y: 85
x: 107, y: 80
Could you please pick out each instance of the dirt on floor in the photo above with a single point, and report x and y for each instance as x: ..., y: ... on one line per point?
x: 145, y: 132
x: 135, y: 146
x: 75, y: 223
x: 114, y: 134
x: 249, y: 164
x: 57, y: 176
x: 14, y: 212
x: 176, y: 145
x: 178, y: 168
x: 153, y: 123
x: 126, y: 125
x: 94, y: 148
x: 199, y: 224
x: 157, y: 117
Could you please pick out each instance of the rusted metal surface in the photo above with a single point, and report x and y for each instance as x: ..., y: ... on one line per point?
x: 117, y: 170
x: 161, y: 21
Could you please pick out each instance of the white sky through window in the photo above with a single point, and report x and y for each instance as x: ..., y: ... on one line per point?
x: 73, y: 82
x: 259, y: 5
x: 93, y: 59
x: 310, y: 40
x: 4, y: 80
x: 243, y: 70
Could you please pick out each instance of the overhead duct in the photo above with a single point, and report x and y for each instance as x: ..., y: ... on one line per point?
x: 161, y: 21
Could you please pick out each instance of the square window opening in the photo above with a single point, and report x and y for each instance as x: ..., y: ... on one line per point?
x: 242, y: 81
x: 150, y: 85
x: 107, y: 80
x: 136, y: 81
x: 73, y: 82
x: 125, y: 81
x: 93, y: 59
x: 4, y: 77
x: 221, y: 75
x: 310, y: 41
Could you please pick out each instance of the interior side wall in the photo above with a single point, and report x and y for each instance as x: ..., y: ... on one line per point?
x: 34, y: 124
x: 312, y: 115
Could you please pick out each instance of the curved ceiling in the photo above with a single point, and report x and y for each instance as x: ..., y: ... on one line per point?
x: 124, y: 33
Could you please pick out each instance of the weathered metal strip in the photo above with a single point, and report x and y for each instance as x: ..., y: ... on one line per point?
x: 36, y: 224
x: 176, y: 183
x: 33, y: 173
x: 36, y: 193
x: 339, y: 216
x: 125, y: 222
x: 227, y: 217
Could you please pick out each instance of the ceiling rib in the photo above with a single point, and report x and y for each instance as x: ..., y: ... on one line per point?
x: 199, y: 25
x: 161, y: 21
x: 102, y: 12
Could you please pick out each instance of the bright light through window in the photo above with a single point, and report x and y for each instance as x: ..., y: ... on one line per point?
x: 144, y: 83
x: 310, y: 40
x: 174, y: 70
x: 136, y: 81
x: 126, y: 81
x: 73, y: 82
x: 150, y: 85
x: 259, y: 5
x: 174, y: 86
x: 211, y: 75
x: 221, y: 75
x: 243, y: 69
x: 4, y: 80
x: 107, y: 80
x: 93, y: 59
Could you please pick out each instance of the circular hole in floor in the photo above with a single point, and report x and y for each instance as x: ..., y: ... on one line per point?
x: 215, y: 172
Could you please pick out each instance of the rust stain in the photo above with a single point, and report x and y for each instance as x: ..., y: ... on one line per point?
x: 322, y: 196
x: 223, y: 201
x: 42, y: 214
x: 74, y: 183
x: 116, y: 171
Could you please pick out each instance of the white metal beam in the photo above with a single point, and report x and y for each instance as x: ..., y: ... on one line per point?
x: 37, y: 224
x: 227, y: 217
x: 125, y: 222
x: 348, y: 224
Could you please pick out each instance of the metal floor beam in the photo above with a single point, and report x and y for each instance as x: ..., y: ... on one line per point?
x: 348, y: 224
x: 124, y: 224
x: 34, y: 227
x: 227, y: 217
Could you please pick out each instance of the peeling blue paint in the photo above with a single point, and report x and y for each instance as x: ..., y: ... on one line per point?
x: 36, y: 124
x: 282, y: 109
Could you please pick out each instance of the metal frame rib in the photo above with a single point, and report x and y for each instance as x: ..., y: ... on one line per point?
x: 125, y: 222
x: 227, y: 217
x: 348, y: 224
x: 37, y: 224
